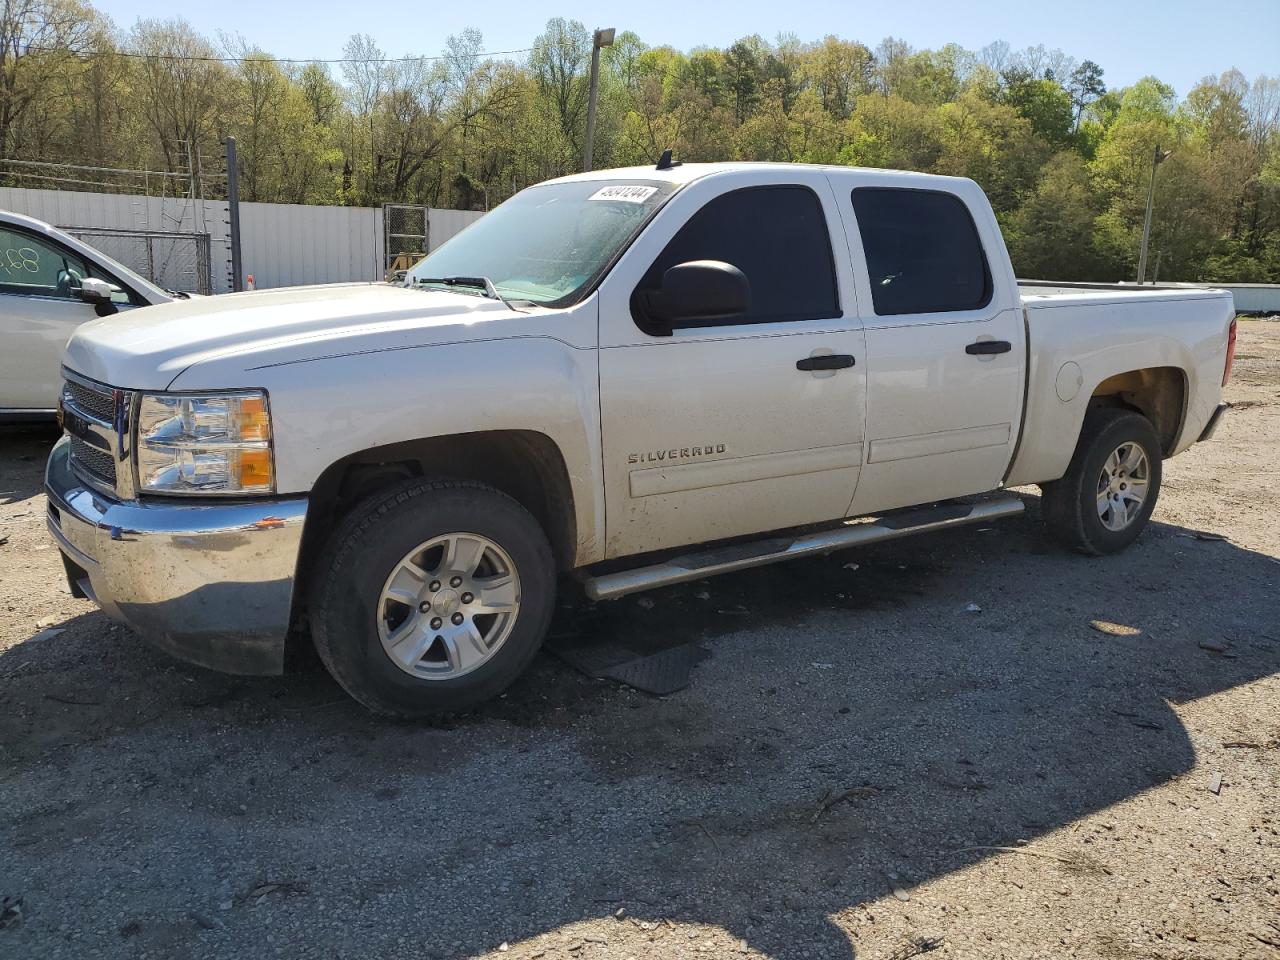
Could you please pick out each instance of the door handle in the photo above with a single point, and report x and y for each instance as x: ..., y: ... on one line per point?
x: 984, y: 347
x: 826, y: 361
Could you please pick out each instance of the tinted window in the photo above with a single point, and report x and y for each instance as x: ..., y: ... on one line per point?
x: 35, y: 267
x: 923, y: 252
x: 777, y: 236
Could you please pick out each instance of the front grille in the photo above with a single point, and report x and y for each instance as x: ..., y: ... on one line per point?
x: 98, y: 404
x: 97, y: 463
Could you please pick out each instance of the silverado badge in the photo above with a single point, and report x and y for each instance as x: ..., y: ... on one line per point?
x: 675, y: 453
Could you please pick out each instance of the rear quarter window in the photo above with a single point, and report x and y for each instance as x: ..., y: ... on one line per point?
x: 923, y: 251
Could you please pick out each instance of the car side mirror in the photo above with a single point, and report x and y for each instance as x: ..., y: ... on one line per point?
x: 697, y: 291
x: 97, y: 292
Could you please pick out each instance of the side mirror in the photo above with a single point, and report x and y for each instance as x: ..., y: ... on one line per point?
x: 697, y: 291
x: 97, y: 292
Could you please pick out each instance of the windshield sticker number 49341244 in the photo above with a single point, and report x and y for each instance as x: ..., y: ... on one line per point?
x: 624, y: 193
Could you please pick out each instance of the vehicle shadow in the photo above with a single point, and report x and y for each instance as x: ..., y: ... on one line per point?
x: 851, y: 731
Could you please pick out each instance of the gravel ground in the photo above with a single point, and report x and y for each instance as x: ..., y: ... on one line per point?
x: 861, y: 767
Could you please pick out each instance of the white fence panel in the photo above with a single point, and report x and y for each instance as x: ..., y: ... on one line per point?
x: 284, y: 245
x: 443, y: 224
x: 1253, y: 297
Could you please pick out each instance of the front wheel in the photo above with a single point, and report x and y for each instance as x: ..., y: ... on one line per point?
x: 432, y: 597
x: 1105, y: 499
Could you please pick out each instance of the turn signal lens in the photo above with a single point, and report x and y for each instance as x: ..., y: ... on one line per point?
x: 254, y: 424
x: 255, y: 470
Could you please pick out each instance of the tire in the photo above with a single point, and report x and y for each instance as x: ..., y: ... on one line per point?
x: 376, y: 552
x: 1074, y: 509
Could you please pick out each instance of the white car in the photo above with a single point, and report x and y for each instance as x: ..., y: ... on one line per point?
x: 638, y: 377
x: 50, y: 283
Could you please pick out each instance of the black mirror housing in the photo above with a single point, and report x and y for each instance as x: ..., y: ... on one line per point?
x: 696, y: 292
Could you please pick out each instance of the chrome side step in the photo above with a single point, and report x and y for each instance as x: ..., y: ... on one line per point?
x: 851, y: 533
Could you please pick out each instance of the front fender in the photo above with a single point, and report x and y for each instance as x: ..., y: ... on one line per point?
x: 326, y: 409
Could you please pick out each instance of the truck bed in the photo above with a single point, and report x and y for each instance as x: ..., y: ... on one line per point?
x: 1079, y: 334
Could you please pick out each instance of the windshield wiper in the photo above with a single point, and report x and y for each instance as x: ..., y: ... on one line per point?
x: 482, y: 283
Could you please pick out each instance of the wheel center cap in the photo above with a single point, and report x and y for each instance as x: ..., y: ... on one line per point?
x: 446, y: 603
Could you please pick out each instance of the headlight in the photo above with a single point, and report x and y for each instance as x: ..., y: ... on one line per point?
x: 215, y: 444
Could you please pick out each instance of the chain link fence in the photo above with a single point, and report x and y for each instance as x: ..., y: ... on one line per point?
x: 406, y: 235
x: 174, y: 261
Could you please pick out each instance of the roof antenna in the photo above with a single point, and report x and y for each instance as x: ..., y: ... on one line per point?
x: 665, y: 162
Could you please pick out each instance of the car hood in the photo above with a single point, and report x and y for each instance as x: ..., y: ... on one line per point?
x: 149, y: 348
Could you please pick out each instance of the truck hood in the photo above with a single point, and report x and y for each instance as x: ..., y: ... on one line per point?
x: 148, y: 348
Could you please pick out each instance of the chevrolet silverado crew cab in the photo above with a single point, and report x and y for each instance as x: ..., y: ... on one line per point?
x: 639, y: 377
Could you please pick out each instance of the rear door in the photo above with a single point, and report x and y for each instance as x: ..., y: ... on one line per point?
x: 713, y: 431
x: 945, y: 343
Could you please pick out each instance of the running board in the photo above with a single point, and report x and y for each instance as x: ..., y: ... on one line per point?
x: 851, y: 533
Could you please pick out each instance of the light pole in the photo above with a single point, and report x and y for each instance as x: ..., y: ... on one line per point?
x: 1160, y: 157
x: 602, y: 38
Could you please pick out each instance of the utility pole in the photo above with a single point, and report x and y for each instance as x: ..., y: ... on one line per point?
x: 601, y: 38
x: 1160, y: 157
x: 233, y: 205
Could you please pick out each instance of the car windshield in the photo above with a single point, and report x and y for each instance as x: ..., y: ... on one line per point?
x: 550, y: 243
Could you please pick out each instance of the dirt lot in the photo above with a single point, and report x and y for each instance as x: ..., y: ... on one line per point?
x: 1019, y: 783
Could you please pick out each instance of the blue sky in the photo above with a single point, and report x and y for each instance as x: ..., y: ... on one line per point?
x: 1177, y: 40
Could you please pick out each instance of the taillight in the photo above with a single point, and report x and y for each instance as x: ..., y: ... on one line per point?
x: 1231, y: 353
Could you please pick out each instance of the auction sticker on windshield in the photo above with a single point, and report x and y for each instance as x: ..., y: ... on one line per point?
x: 624, y: 193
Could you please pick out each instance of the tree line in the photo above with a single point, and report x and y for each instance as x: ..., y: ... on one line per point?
x: 1065, y: 160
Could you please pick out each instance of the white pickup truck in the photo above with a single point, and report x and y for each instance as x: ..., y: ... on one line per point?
x: 639, y: 376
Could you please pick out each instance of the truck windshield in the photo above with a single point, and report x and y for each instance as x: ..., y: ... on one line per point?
x: 548, y: 244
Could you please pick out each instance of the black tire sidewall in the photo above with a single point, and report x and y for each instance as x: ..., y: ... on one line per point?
x: 1110, y: 430
x: 367, y: 548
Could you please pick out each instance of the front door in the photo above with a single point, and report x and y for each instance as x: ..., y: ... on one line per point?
x: 714, y: 431
x: 39, y: 310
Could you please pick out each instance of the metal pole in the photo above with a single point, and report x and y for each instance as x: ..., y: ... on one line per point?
x: 1146, y: 222
x: 233, y: 204
x: 601, y: 38
x: 588, y: 144
x: 191, y: 175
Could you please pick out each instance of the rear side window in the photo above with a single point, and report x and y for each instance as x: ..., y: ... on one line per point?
x: 778, y: 237
x: 923, y: 252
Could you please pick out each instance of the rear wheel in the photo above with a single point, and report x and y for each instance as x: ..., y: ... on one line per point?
x: 1103, y: 502
x: 432, y: 597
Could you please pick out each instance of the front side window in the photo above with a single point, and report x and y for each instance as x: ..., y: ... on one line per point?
x: 778, y: 238
x: 923, y: 251
x: 549, y: 244
x: 31, y: 266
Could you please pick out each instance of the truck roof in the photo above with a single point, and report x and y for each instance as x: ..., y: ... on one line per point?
x: 684, y: 173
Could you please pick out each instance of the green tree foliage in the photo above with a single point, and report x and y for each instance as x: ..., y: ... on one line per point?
x: 1066, y: 162
x: 1041, y: 101
x: 1051, y: 234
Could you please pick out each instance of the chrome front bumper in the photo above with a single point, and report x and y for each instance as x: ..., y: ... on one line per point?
x: 208, y: 583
